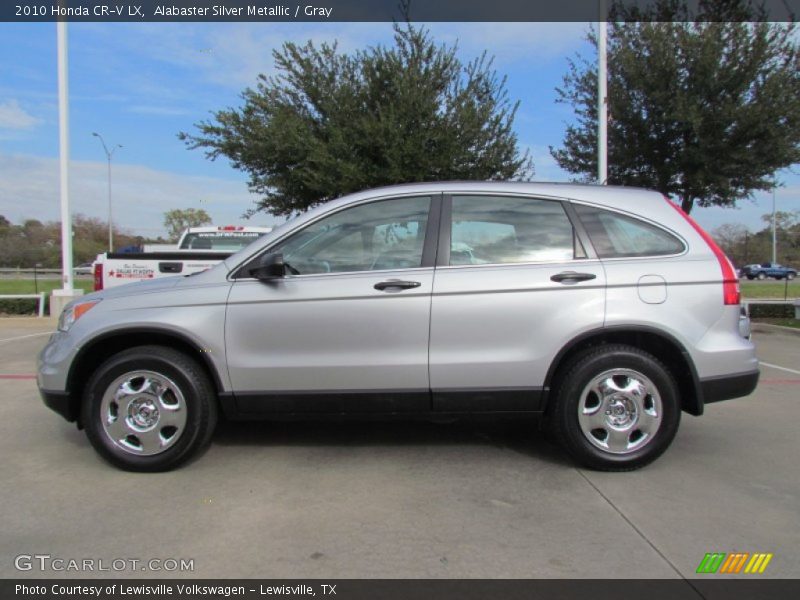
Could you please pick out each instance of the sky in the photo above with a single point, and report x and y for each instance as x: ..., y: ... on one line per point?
x: 140, y: 84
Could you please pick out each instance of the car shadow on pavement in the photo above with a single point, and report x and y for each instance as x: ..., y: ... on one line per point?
x: 521, y: 436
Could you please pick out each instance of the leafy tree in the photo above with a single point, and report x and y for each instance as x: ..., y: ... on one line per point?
x: 745, y: 247
x: 705, y: 109
x: 732, y: 238
x: 331, y: 123
x: 177, y: 220
x: 36, y: 242
x: 783, y: 219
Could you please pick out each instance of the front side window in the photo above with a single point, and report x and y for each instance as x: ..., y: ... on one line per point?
x: 500, y: 229
x: 388, y: 234
x: 615, y: 236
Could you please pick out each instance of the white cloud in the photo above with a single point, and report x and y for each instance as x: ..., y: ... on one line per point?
x: 158, y: 111
x: 29, y: 189
x: 234, y: 54
x: 546, y: 168
x: 749, y: 212
x: 13, y: 116
x: 513, y: 42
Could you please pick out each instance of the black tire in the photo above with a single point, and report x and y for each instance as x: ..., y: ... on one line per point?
x: 751, y: 277
x: 572, y: 401
x: 176, y: 423
x: 790, y: 276
x: 761, y: 276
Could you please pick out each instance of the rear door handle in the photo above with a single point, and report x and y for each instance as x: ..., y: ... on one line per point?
x: 572, y: 277
x: 396, y: 284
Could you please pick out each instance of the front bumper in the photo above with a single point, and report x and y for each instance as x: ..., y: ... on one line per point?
x: 716, y: 389
x: 60, y: 402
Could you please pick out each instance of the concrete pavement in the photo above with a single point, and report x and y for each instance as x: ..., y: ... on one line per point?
x: 404, y: 500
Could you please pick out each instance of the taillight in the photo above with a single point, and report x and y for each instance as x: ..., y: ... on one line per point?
x: 98, y: 277
x: 731, y: 294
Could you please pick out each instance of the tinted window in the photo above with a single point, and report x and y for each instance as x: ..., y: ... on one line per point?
x: 389, y: 234
x: 614, y: 235
x: 499, y: 229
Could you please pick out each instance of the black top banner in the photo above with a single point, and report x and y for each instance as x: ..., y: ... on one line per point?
x: 381, y: 10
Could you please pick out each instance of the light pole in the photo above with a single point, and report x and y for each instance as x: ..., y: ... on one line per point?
x: 774, y: 231
x: 109, y: 154
x: 602, y: 98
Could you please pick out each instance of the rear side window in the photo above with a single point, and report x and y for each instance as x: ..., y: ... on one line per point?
x: 616, y: 236
x: 501, y: 230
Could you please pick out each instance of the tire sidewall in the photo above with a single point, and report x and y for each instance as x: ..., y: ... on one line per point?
x: 142, y: 361
x: 589, y: 367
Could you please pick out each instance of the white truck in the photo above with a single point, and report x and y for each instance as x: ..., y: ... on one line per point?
x: 198, y: 249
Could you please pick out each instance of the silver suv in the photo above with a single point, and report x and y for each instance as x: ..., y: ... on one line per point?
x: 607, y: 311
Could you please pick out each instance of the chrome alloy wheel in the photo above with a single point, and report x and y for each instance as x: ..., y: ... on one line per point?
x: 143, y: 412
x: 620, y: 411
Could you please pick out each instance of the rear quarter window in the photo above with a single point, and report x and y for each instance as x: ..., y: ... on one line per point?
x: 614, y: 235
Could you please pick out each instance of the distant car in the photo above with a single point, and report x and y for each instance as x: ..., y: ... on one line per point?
x: 764, y: 270
x: 83, y: 269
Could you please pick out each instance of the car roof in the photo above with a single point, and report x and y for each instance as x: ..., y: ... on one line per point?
x: 621, y: 198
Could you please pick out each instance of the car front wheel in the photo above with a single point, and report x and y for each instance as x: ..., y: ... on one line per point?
x: 762, y: 276
x: 617, y: 408
x: 790, y: 276
x: 149, y: 408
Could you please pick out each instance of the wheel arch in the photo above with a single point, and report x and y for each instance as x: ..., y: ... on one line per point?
x: 109, y: 343
x: 660, y: 344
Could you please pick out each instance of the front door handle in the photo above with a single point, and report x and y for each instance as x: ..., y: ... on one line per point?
x: 396, y: 284
x: 572, y: 277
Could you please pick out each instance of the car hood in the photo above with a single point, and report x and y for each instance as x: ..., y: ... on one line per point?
x: 135, y: 289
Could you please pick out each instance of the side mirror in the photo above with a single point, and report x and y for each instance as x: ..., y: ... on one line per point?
x: 268, y: 267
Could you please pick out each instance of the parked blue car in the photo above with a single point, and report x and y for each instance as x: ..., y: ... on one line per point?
x: 765, y: 270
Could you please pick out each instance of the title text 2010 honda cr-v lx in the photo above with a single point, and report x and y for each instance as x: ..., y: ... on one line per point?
x: 605, y: 310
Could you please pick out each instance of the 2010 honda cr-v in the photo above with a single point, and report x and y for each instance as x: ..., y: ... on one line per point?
x: 606, y: 310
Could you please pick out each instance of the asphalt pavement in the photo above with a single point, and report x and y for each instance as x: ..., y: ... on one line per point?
x: 401, y: 500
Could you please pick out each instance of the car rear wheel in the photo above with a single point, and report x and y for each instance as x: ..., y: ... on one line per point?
x: 762, y: 275
x: 790, y: 276
x: 149, y: 408
x: 617, y: 408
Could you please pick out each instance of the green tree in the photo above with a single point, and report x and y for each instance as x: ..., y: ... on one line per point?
x: 331, y: 123
x: 732, y: 238
x: 704, y: 109
x: 36, y: 242
x: 90, y: 238
x: 177, y: 220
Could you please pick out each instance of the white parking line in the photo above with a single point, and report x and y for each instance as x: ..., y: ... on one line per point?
x: 780, y: 368
x: 22, y: 337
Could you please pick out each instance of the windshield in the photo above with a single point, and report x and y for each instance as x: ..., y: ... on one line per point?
x: 227, y: 241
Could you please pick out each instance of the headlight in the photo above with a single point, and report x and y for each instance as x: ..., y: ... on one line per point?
x: 74, y: 312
